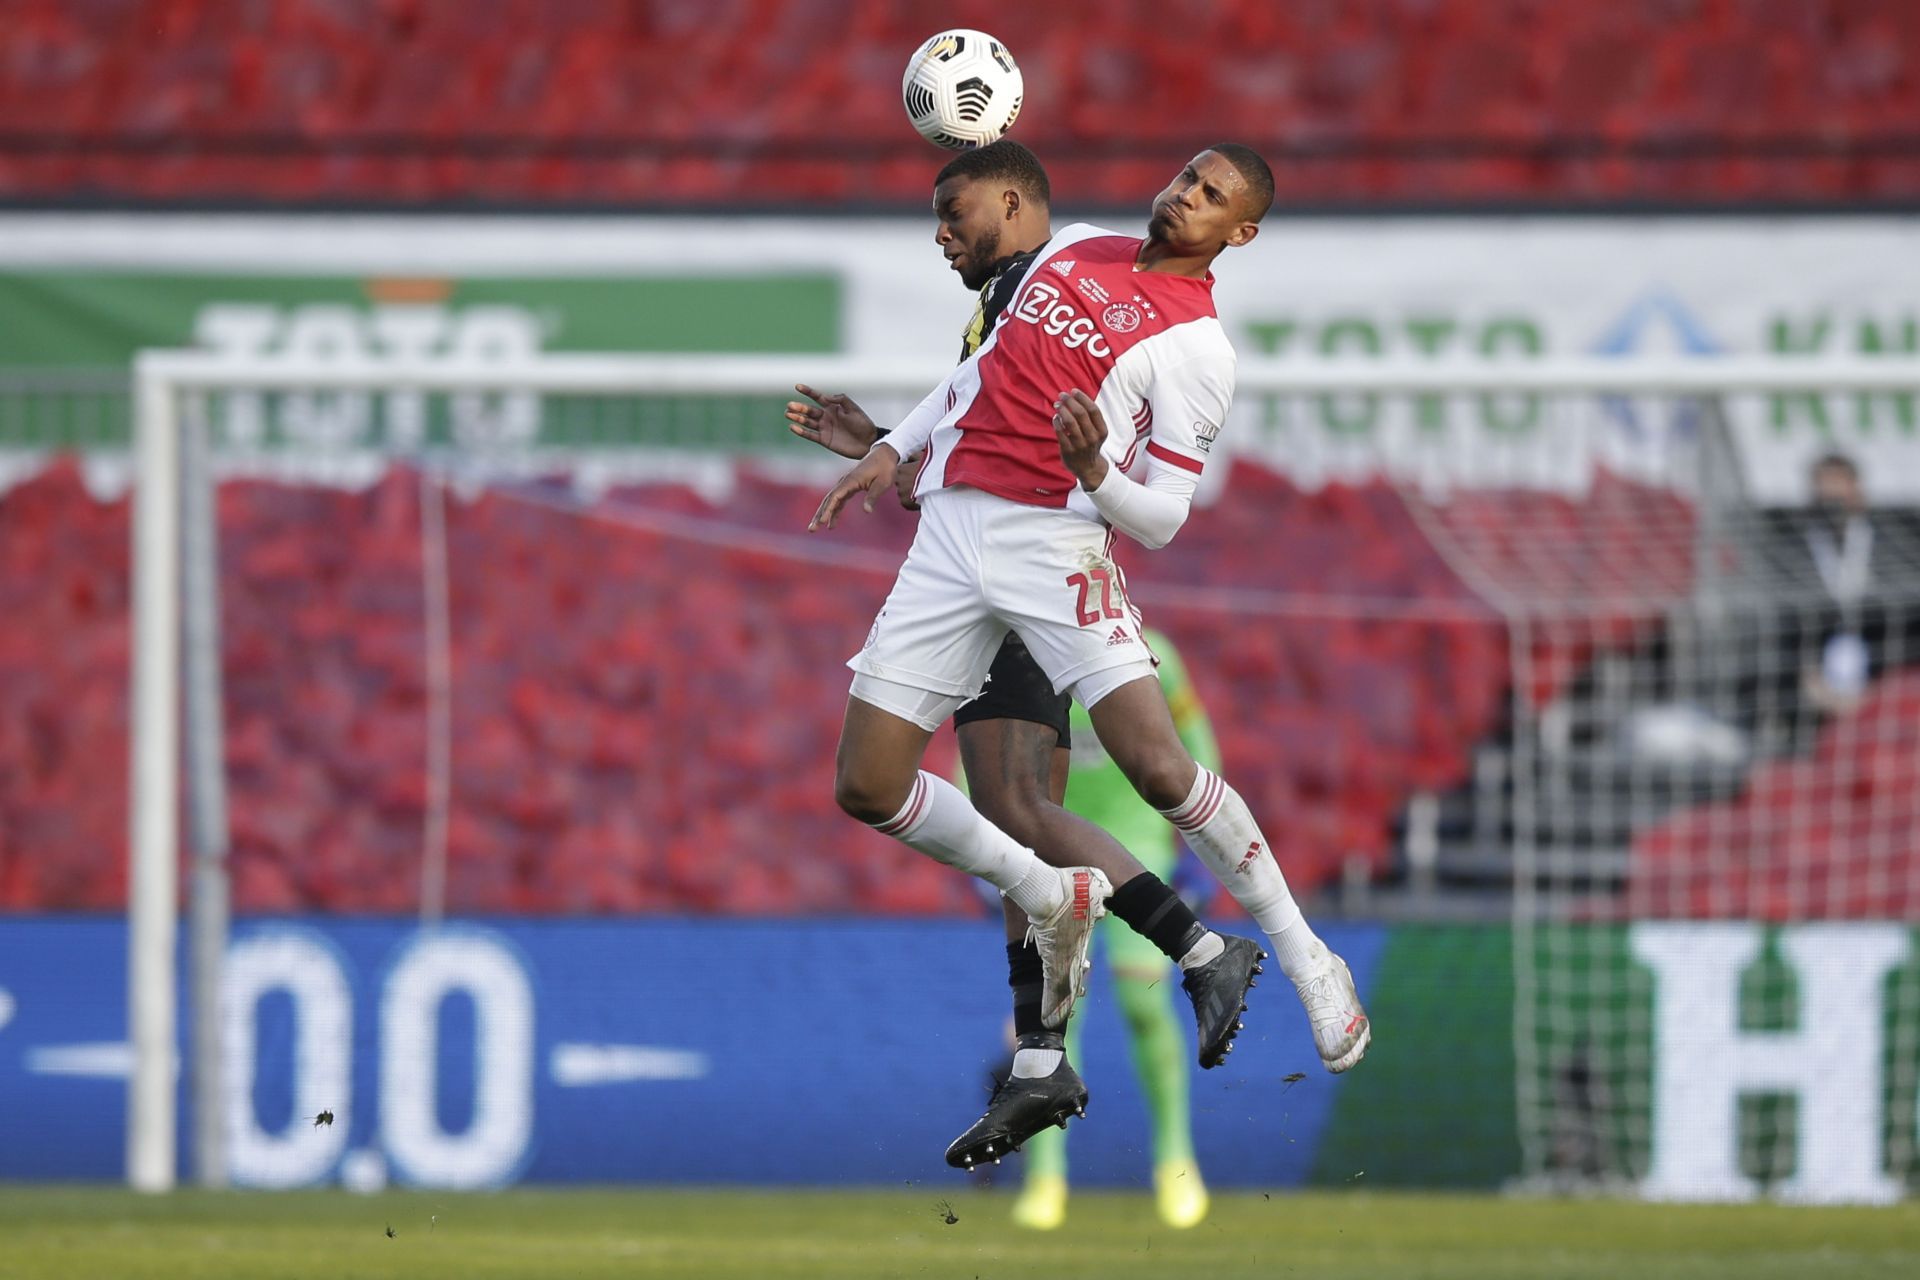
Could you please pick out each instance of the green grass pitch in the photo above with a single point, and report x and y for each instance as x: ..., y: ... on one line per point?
x: 73, y: 1233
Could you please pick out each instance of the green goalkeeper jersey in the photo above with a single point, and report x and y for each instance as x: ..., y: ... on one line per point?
x: 1100, y: 793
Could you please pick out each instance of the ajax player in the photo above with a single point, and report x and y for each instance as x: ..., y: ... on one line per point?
x: 992, y: 211
x: 1109, y: 362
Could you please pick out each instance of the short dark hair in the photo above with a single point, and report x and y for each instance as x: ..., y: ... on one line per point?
x: 1003, y: 161
x: 1259, y: 177
x: 1837, y: 462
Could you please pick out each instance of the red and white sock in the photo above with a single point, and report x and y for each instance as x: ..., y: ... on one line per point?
x: 943, y: 824
x: 1218, y: 826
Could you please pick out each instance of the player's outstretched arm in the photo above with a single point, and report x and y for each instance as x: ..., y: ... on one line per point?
x: 874, y: 474
x: 832, y: 421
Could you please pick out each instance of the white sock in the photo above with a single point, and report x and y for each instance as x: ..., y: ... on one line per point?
x: 1040, y: 891
x: 1032, y: 1064
x: 1218, y: 826
x: 1205, y: 951
x: 1300, y: 952
x: 939, y: 822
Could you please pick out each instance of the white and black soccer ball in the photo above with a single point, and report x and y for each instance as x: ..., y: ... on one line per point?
x: 962, y: 89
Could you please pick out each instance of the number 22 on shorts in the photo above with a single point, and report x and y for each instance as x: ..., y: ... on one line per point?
x: 1083, y: 583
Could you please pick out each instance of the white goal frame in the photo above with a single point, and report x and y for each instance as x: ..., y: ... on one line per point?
x: 157, y: 555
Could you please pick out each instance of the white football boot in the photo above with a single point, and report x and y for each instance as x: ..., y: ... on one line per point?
x: 1064, y: 939
x: 1341, y: 1031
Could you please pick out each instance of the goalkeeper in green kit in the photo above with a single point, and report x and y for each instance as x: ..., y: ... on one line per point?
x: 1099, y: 792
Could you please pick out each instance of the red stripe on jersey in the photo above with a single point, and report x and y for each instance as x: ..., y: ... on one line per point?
x: 1142, y: 428
x: 1157, y: 450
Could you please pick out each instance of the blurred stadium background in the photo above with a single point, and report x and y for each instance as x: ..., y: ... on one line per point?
x: 508, y: 692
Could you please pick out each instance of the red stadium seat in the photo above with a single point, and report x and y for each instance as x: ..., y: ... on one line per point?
x: 666, y: 745
x: 1828, y: 836
x: 624, y: 101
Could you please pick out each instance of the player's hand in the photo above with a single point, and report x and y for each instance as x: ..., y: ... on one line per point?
x: 874, y: 473
x: 906, y: 478
x: 832, y: 421
x: 1081, y: 430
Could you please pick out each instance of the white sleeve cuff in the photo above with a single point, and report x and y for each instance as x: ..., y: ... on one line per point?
x: 1148, y: 516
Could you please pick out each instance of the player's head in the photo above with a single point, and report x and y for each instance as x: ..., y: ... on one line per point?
x: 1836, y: 485
x: 989, y: 204
x: 1215, y: 202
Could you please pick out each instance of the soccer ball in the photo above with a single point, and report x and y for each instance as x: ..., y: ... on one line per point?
x: 962, y: 89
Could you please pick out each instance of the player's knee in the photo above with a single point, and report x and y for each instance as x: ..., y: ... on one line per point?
x: 1164, y: 779
x: 867, y: 798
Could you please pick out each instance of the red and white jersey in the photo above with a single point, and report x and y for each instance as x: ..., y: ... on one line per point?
x: 1146, y: 345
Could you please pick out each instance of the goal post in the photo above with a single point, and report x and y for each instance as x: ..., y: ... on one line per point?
x: 1606, y: 600
x: 152, y: 888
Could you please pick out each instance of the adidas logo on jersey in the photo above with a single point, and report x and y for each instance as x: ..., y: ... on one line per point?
x: 1064, y: 266
x: 1119, y: 637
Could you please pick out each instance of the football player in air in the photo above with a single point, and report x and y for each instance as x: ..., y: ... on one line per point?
x: 992, y: 214
x: 1024, y: 485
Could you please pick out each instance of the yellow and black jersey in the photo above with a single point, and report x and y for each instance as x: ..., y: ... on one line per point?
x: 995, y: 294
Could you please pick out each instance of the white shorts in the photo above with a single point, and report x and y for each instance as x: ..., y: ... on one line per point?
x: 981, y: 565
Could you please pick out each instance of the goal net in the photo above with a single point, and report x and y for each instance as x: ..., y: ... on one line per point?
x: 1558, y: 661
